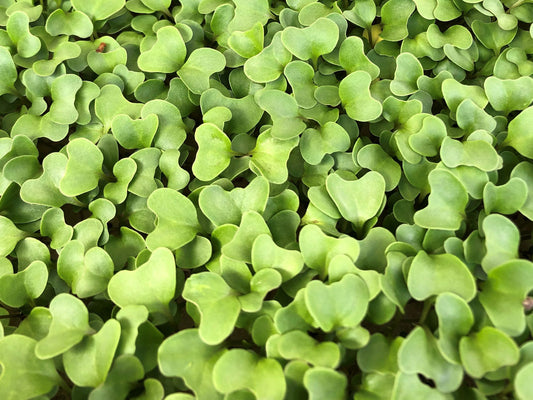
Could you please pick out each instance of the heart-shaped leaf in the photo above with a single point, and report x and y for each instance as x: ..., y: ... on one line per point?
x: 24, y: 286
x: 408, y: 70
x: 18, y: 29
x: 270, y: 156
x: 83, y: 169
x: 73, y: 23
x: 86, y: 272
x: 354, y: 91
x: 167, y: 53
x: 446, y: 204
x: 177, y: 223
x: 341, y: 304
x: 268, y: 65
x: 518, y: 135
x: 70, y: 323
x: 455, y: 321
x: 88, y: 363
x: 283, y: 109
x: 239, y: 369
x: 134, y: 133
x: 201, y: 64
x: 152, y: 284
x: 297, y: 345
x: 504, y: 291
x: 214, y: 152
x: 431, y: 275
x: 24, y: 375
x: 358, y: 200
x: 217, y: 304
x: 420, y: 354
x: 311, y: 42
x: 185, y: 355
x: 8, y: 72
x: 486, y: 351
x: 99, y: 10
x: 323, y: 382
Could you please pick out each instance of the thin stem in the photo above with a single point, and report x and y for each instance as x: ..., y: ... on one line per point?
x: 63, y: 385
x: 518, y: 4
x: 425, y: 311
x: 167, y: 13
x: 11, y: 316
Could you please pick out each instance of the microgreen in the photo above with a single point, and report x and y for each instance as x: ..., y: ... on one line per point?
x: 253, y: 199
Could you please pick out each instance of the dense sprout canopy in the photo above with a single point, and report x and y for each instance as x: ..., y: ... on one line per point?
x: 266, y: 199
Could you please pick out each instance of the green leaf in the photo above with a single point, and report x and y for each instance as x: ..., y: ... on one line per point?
x: 446, y: 204
x: 186, y: 356
x: 507, y: 198
x: 454, y: 93
x: 24, y: 286
x: 487, y: 351
x: 18, y: 29
x: 352, y: 55
x: 362, y: 13
x: 297, y: 345
x: 71, y: 24
x: 70, y: 323
x: 283, y: 109
x: 240, y: 369
x: 111, y: 102
x: 420, y: 354
x: 508, y: 95
x: 268, y: 65
x: 217, y: 304
x: 354, y: 91
x: 408, y: 70
x: 518, y: 135
x: 328, y: 139
x: 374, y: 158
x: 502, y: 240
x: 472, y: 153
x: 88, y: 363
x: 87, y: 272
x: 167, y: 53
x: 325, y: 383
x: 394, y: 16
x: 214, y: 152
x: 247, y: 43
x: 83, y: 169
x: 63, y: 91
x: 24, y: 376
x: 8, y: 72
x: 360, y: 200
x: 431, y: 275
x: 201, y: 64
x: 134, y: 133
x: 311, y: 42
x: 124, y: 374
x: 270, y: 156
x: 456, y: 35
x: 124, y: 171
x: 318, y: 249
x: 455, y: 321
x: 502, y: 294
x: 11, y: 236
x: 266, y: 254
x: 177, y: 222
x: 341, y: 304
x: 523, y: 382
x: 98, y: 10
x: 152, y: 284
